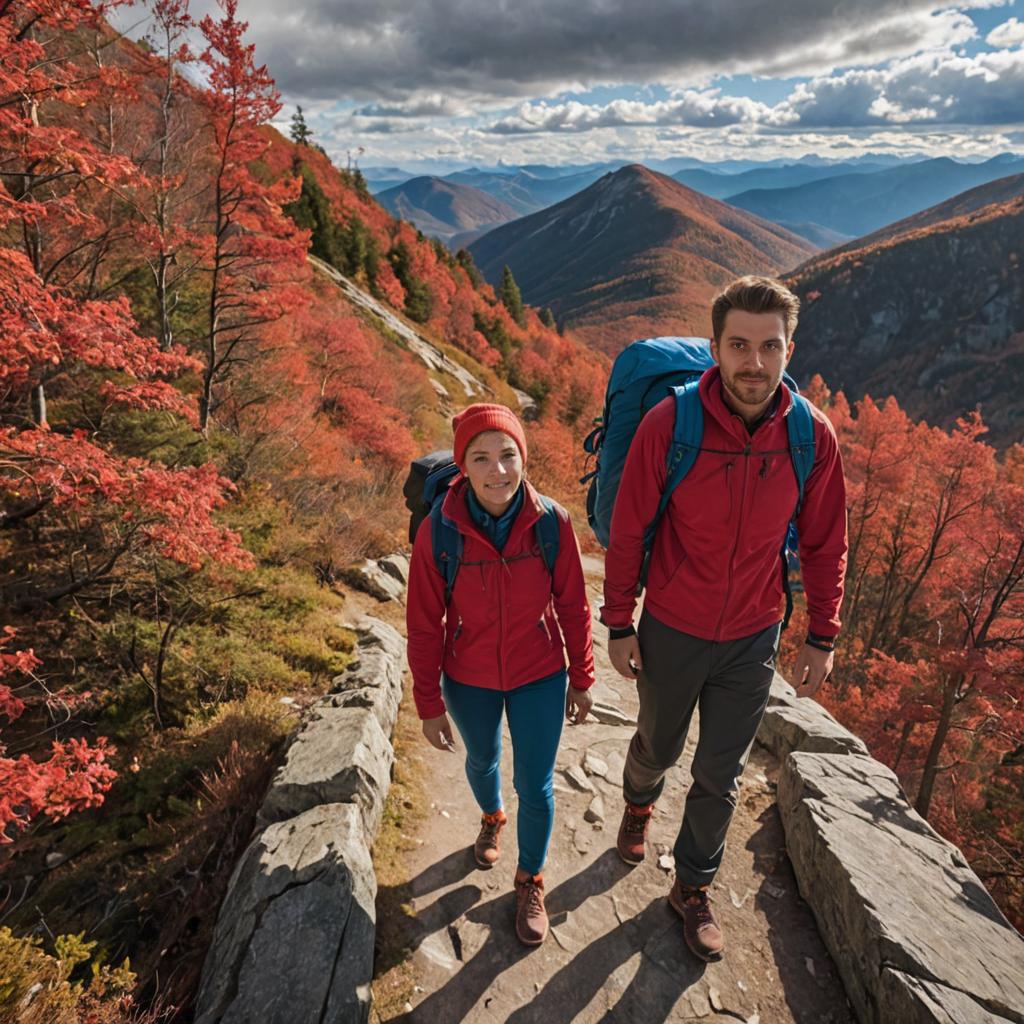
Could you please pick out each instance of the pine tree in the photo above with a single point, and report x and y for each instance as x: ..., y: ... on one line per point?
x: 510, y: 297
x: 300, y: 131
x: 547, y: 318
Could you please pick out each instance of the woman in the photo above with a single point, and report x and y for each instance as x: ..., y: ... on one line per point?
x: 497, y: 647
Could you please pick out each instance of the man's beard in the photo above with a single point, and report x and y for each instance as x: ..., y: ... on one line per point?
x: 751, y: 392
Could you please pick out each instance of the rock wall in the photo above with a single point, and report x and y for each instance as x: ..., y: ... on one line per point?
x: 913, y: 932
x: 294, y: 936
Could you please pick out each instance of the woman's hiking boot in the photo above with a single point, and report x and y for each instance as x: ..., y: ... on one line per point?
x: 636, y: 819
x: 531, y: 917
x: 485, y: 849
x: 700, y: 929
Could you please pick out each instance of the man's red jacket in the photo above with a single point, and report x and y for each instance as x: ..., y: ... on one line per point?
x: 715, y: 569
x: 507, y: 614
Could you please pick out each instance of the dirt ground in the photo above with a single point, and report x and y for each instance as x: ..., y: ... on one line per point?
x: 447, y: 951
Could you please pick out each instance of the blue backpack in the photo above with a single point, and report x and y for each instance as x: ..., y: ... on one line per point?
x: 643, y: 374
x: 424, y: 490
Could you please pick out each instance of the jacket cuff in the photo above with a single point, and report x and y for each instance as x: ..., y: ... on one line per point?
x: 820, y: 642
x: 430, y: 710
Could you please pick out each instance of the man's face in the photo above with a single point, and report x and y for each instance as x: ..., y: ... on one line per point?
x: 752, y: 353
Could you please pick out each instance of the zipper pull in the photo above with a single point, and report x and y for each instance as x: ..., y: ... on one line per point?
x: 764, y: 468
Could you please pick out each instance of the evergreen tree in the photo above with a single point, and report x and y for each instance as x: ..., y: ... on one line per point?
x: 510, y: 297
x: 547, y: 318
x: 300, y: 131
x: 464, y: 258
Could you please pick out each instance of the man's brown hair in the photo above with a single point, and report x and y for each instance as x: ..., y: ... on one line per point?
x: 755, y: 295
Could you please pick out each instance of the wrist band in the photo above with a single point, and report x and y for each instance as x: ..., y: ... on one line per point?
x: 620, y: 632
x: 821, y: 645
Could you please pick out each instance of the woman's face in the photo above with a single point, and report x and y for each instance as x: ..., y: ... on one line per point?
x: 495, y: 469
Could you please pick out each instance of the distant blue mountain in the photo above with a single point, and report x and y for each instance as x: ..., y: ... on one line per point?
x: 856, y: 204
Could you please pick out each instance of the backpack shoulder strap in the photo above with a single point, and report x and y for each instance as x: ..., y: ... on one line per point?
x: 548, y: 533
x: 447, y: 545
x: 800, y: 426
x: 687, y: 435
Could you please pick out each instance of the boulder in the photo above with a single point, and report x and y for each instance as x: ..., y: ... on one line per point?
x: 341, y: 755
x: 370, y: 578
x: 373, y: 679
x: 294, y: 936
x: 911, y: 928
x: 397, y: 566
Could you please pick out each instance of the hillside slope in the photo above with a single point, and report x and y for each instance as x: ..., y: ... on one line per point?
x: 444, y: 208
x: 930, y: 310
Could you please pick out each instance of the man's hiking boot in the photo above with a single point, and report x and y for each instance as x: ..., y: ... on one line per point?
x: 531, y: 917
x: 485, y: 849
x: 636, y: 819
x: 700, y: 929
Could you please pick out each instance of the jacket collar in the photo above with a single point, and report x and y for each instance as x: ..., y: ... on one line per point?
x: 711, y: 389
x: 456, y: 509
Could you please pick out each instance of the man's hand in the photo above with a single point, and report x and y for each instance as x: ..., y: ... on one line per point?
x: 812, y: 668
x: 577, y: 705
x: 439, y: 733
x: 625, y: 655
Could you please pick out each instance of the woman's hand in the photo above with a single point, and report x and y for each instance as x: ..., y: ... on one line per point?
x: 577, y: 705
x: 439, y: 733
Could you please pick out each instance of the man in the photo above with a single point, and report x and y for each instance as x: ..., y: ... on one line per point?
x: 710, y: 627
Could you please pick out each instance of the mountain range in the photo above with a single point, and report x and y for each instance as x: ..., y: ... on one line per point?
x: 856, y: 204
x: 635, y: 254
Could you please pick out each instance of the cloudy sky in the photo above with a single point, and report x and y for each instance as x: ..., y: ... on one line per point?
x: 434, y: 84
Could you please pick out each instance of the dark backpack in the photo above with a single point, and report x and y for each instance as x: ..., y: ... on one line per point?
x: 643, y: 374
x: 424, y: 491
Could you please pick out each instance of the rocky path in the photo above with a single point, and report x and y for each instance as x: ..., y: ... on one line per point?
x: 615, y: 951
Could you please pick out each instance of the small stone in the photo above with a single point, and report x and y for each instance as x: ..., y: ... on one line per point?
x: 407, y: 1008
x: 754, y: 1019
x: 741, y: 985
x: 578, y: 778
x: 595, y: 812
x: 610, y: 716
x: 809, y: 964
x: 775, y: 891
x: 762, y: 778
x: 55, y: 858
x: 286, y: 700
x: 666, y: 862
x: 536, y: 986
x: 580, y: 841
x: 445, y: 814
x: 593, y: 765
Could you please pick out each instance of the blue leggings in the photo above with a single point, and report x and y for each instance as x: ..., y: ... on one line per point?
x: 535, y: 713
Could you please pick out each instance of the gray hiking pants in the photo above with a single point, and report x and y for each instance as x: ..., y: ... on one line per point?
x: 729, y: 681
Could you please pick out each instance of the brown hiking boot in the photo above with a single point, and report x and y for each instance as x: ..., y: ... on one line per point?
x: 531, y: 917
x: 485, y: 849
x: 700, y: 929
x: 636, y: 819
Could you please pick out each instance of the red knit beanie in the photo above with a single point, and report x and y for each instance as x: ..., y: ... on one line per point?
x: 480, y: 417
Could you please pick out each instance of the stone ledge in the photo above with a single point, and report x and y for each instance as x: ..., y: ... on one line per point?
x: 300, y: 904
x: 912, y: 930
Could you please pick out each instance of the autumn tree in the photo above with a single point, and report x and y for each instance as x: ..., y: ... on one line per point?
x: 254, y: 252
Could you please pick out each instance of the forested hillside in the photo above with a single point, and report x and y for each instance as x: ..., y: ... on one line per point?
x: 197, y: 433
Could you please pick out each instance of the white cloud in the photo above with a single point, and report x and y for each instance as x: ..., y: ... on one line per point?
x: 1010, y: 33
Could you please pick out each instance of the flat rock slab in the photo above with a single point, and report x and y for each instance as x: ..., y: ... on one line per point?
x: 340, y: 755
x: 913, y: 932
x: 302, y: 893
x: 396, y: 565
x: 371, y: 579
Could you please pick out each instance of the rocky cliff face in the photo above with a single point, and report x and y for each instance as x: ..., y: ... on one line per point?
x: 931, y: 314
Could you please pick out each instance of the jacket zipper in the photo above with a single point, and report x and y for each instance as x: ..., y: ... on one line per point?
x: 735, y: 541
